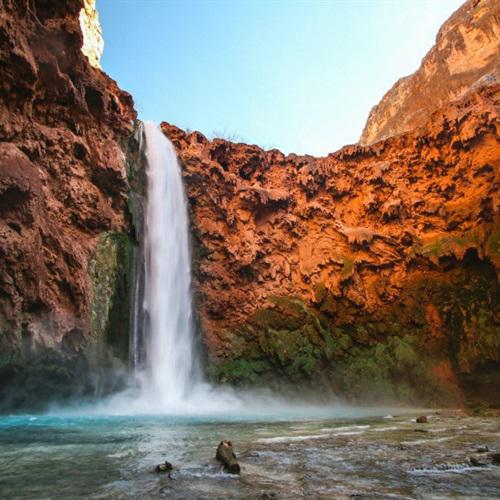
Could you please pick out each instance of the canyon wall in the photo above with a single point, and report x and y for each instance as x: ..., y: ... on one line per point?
x: 372, y: 270
x: 464, y: 58
x: 65, y: 229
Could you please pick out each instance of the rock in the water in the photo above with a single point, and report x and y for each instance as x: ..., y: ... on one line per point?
x: 225, y: 455
x: 482, y: 449
x: 476, y: 462
x: 422, y: 419
x: 164, y: 467
x: 495, y: 458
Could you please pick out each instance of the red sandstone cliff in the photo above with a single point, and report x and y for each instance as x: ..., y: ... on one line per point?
x: 465, y: 57
x: 63, y: 184
x: 303, y: 265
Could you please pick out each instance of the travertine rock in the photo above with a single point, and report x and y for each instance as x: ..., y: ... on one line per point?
x: 371, y: 241
x: 466, y: 56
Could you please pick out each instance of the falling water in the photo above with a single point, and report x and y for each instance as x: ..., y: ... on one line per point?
x: 172, y: 367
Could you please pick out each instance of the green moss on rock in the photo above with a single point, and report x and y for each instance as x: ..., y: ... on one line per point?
x: 444, y: 319
x: 397, y: 369
x: 111, y: 277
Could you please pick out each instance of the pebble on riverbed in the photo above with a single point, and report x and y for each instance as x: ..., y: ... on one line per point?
x: 422, y: 419
x: 164, y: 467
x: 477, y: 462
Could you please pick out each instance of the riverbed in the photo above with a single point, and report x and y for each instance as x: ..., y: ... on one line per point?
x: 362, y: 454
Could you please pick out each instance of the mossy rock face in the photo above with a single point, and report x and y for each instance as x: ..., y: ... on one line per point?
x: 447, y: 317
x: 87, y: 363
x: 395, y: 370
x: 289, y: 340
x: 111, y: 277
x: 470, y: 308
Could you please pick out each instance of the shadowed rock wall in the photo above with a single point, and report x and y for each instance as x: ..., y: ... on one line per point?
x: 64, y: 223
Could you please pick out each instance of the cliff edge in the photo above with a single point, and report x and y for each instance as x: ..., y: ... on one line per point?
x: 465, y: 57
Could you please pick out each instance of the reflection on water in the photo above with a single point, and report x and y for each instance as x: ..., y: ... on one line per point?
x: 110, y: 457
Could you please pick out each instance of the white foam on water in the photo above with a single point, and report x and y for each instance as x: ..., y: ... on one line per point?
x: 445, y: 469
x: 345, y: 428
x: 291, y: 439
x: 427, y: 441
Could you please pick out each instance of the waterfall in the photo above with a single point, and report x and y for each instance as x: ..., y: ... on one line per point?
x: 172, y: 366
x: 163, y: 355
x: 163, y: 343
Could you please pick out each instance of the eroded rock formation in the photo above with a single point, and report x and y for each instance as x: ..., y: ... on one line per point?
x: 464, y: 58
x: 64, y: 245
x: 370, y: 266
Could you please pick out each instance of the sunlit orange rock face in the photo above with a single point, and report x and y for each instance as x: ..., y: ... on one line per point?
x: 464, y: 58
x: 63, y: 183
x: 305, y: 265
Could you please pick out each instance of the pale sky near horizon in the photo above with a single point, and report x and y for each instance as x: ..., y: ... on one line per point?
x: 298, y: 75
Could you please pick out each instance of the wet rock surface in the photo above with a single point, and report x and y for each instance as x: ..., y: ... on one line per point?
x: 164, y: 467
x: 226, y: 456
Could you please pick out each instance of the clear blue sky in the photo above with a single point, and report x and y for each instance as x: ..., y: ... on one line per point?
x: 297, y: 75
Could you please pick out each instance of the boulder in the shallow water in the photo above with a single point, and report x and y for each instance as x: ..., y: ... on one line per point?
x: 477, y: 461
x: 422, y: 419
x: 225, y: 455
x: 164, y: 467
x: 495, y: 458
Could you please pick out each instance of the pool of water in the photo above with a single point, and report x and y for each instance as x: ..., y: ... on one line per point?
x: 341, y: 454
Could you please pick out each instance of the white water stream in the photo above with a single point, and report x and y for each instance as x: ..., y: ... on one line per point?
x: 172, y: 365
